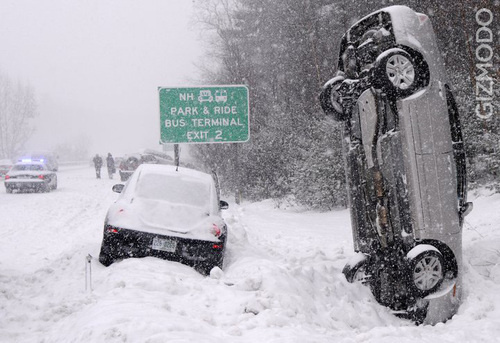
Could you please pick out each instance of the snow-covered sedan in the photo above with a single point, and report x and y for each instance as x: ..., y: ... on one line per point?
x: 166, y: 212
x: 405, y: 163
x: 35, y: 176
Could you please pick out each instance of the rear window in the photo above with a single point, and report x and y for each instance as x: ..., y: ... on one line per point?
x: 174, y: 189
x: 23, y: 167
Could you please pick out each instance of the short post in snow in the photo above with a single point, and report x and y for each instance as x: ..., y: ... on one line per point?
x: 88, y: 273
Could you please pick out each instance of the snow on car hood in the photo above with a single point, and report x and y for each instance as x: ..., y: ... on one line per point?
x: 163, y: 218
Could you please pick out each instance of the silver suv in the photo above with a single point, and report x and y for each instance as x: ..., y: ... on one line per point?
x: 405, y: 163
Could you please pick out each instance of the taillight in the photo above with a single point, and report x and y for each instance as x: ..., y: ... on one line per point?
x: 217, y: 246
x: 422, y: 17
x: 216, y: 230
x: 7, y: 177
x: 111, y: 229
x: 40, y: 177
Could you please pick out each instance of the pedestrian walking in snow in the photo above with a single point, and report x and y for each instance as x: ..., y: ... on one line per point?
x: 110, y: 162
x: 98, y: 165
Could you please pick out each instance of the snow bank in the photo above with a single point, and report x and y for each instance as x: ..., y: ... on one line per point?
x: 281, y: 282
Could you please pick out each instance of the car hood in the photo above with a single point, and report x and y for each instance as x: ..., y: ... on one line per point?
x: 164, y: 218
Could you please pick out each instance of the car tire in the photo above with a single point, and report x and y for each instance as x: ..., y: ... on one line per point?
x: 123, y: 178
x: 330, y: 99
x: 426, y: 269
x: 216, y: 260
x: 8, y: 190
x: 398, y: 73
x: 44, y: 188
x: 54, y: 187
x: 105, y: 256
x: 356, y: 271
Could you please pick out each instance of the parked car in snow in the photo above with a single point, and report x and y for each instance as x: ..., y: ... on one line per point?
x: 405, y: 163
x: 166, y: 212
x: 5, y: 166
x: 34, y: 176
x: 46, y: 157
x: 129, y: 163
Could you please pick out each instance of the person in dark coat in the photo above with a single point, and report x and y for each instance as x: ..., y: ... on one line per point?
x: 98, y: 165
x: 110, y: 162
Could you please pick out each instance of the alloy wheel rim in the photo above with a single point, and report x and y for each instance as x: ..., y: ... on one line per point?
x: 400, y: 71
x: 360, y: 275
x: 335, y: 100
x: 427, y: 273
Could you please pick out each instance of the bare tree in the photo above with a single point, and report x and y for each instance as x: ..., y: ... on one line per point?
x: 17, y: 108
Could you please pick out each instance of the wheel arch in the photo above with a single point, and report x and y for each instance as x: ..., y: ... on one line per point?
x: 422, y: 71
x: 450, y: 260
x: 421, y: 63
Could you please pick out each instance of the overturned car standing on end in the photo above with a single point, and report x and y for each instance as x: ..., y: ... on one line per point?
x: 405, y: 163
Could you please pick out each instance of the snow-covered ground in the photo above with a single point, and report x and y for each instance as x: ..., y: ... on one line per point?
x: 282, y: 279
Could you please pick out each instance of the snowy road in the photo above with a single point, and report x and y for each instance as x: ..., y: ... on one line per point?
x: 282, y: 279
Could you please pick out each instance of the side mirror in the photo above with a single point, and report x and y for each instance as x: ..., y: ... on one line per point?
x: 223, y: 205
x: 118, y: 188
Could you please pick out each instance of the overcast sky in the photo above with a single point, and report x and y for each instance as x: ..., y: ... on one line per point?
x: 96, y: 65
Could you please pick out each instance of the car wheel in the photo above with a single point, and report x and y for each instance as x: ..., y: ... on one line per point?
x: 330, y: 99
x: 123, y: 178
x: 8, y: 189
x: 217, y: 260
x: 54, y: 186
x: 426, y: 269
x: 106, y: 257
x: 398, y: 74
x: 109, y: 251
x: 356, y: 270
x: 44, y: 188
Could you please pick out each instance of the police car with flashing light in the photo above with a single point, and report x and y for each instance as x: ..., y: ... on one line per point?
x: 30, y: 175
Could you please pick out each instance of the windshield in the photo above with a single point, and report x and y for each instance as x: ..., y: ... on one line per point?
x: 36, y: 167
x: 174, y: 189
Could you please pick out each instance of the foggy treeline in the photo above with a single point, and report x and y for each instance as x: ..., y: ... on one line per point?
x: 17, y: 109
x: 284, y: 51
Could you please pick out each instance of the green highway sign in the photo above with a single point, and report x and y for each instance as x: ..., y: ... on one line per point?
x: 211, y: 114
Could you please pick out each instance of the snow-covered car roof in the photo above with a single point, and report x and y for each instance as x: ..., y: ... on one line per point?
x: 161, y: 197
x: 165, y: 169
x: 27, y: 166
x: 171, y: 184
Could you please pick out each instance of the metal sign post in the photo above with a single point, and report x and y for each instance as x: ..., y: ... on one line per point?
x: 176, y: 155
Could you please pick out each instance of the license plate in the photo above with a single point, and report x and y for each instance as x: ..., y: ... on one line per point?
x: 164, y: 244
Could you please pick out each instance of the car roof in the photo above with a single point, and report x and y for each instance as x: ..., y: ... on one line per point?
x: 30, y: 163
x: 171, y: 170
